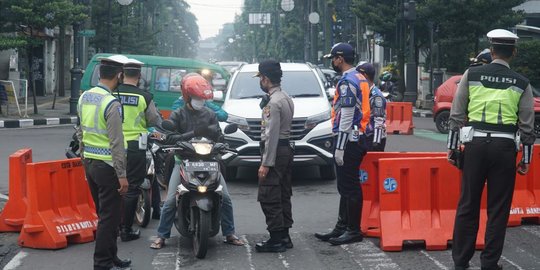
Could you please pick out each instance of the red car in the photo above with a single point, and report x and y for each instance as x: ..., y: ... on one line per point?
x: 442, y: 103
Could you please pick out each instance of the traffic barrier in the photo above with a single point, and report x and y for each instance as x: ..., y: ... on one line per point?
x: 399, y: 118
x: 60, y: 208
x: 369, y: 175
x: 12, y: 217
x: 418, y: 199
x: 526, y: 199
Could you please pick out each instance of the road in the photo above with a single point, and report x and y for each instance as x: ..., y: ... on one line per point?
x: 314, y: 209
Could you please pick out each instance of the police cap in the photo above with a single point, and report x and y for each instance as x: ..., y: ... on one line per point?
x: 116, y: 60
x: 341, y: 49
x: 367, y: 69
x: 502, y: 37
x: 269, y: 68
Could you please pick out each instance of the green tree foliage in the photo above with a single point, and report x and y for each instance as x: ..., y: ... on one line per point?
x: 527, y: 61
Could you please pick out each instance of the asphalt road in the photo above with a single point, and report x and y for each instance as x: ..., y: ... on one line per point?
x: 314, y: 209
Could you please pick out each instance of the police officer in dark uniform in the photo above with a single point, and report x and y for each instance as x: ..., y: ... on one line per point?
x: 104, y: 158
x: 376, y: 130
x: 350, y: 117
x: 140, y: 112
x: 274, y: 174
x: 492, y: 108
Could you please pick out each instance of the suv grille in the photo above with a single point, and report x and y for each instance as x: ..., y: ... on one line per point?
x: 298, y: 130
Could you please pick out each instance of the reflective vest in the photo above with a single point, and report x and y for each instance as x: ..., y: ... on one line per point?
x: 362, y: 111
x: 91, y: 108
x: 494, y: 94
x: 133, y: 107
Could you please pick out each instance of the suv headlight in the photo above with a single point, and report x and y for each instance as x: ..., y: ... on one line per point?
x: 312, y: 121
x: 240, y: 121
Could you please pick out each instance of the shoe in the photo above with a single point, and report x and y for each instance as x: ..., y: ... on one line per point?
x: 498, y: 267
x: 128, y: 234
x: 120, y: 268
x: 462, y: 267
x: 333, y: 234
x: 347, y: 238
x: 266, y: 246
x: 285, y: 241
x: 121, y: 263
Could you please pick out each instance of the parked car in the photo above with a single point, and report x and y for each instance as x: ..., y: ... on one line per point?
x: 442, y: 102
x: 311, y: 128
x: 230, y: 66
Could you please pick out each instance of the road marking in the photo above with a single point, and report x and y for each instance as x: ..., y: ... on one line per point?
x: 531, y: 230
x: 177, y: 261
x: 248, y: 250
x: 424, y: 133
x: 368, y: 256
x: 512, y: 263
x: 5, y: 197
x: 282, y: 258
x: 438, y: 263
x: 166, y: 260
x: 16, y: 261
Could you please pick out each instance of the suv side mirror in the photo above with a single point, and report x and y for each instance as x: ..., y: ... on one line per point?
x: 218, y: 95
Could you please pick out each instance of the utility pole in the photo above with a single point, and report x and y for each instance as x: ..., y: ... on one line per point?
x: 409, y: 13
x: 76, y: 71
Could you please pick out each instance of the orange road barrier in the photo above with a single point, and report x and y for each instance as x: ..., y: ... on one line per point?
x: 418, y: 199
x: 12, y: 217
x: 60, y: 208
x: 369, y: 175
x: 526, y: 199
x: 399, y: 118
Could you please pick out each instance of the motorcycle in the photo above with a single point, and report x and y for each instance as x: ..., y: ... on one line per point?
x: 388, y: 88
x: 199, y: 193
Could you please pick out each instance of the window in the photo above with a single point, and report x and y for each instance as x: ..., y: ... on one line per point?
x: 295, y: 83
x: 144, y: 82
x: 169, y: 79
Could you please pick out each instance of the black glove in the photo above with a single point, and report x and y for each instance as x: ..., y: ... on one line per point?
x: 172, y: 139
x: 202, y: 131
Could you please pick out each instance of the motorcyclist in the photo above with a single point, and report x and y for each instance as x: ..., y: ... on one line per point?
x: 194, y: 117
x: 484, y: 57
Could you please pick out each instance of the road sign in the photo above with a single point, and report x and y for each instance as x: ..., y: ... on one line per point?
x: 87, y: 33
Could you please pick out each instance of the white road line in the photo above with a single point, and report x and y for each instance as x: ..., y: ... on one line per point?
x: 15, y: 261
x: 368, y: 256
x: 248, y: 251
x: 438, y: 263
x: 177, y: 261
x: 512, y: 263
x: 5, y: 197
x: 285, y: 263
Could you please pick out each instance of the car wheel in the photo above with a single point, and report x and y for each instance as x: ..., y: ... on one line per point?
x: 441, y: 121
x: 327, y: 172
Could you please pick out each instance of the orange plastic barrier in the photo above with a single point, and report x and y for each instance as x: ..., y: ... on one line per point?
x: 526, y: 200
x: 418, y: 199
x: 60, y: 208
x: 369, y: 175
x: 12, y: 217
x: 399, y: 118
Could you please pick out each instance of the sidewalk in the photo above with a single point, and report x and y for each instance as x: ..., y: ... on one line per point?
x: 45, y: 116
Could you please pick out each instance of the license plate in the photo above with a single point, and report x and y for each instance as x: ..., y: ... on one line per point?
x: 202, y: 166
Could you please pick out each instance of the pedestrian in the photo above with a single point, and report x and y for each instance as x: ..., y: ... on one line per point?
x: 492, y: 110
x: 376, y: 129
x: 104, y: 158
x: 277, y: 152
x: 350, y: 118
x: 140, y: 113
x: 196, y: 91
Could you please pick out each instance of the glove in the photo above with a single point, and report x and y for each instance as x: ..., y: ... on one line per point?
x: 202, y: 131
x: 338, y: 156
x: 172, y: 139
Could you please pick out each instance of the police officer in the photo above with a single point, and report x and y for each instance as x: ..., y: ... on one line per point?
x: 350, y: 117
x: 104, y: 158
x: 493, y: 105
x: 376, y: 130
x: 140, y: 112
x: 274, y: 174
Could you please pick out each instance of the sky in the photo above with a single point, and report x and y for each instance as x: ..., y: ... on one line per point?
x: 212, y: 14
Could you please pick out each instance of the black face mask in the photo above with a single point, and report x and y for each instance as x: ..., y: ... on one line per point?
x: 264, y: 101
x: 336, y: 69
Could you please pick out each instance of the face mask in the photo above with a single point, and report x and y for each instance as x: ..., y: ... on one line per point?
x: 264, y: 101
x: 197, y: 104
x: 262, y: 87
x: 336, y: 69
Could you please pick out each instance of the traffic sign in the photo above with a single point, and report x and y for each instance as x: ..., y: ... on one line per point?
x: 87, y: 33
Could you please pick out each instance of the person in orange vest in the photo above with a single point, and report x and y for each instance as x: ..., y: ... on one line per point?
x: 350, y: 117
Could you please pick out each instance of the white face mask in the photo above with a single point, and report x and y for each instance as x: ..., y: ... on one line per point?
x: 197, y: 104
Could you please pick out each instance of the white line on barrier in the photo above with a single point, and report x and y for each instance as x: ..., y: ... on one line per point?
x: 15, y: 261
x: 5, y: 197
x: 438, y: 263
x: 512, y: 263
x: 248, y: 250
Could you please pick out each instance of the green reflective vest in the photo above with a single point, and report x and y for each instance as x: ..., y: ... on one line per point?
x: 133, y: 106
x: 91, y: 108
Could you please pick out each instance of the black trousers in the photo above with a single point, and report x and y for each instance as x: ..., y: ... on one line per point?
x: 275, y: 192
x: 103, y: 183
x: 136, y: 171
x: 494, y: 160
x: 348, y: 181
x: 379, y: 148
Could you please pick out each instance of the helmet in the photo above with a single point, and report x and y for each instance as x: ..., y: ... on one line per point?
x: 195, y: 85
x: 484, y: 57
x: 386, y: 76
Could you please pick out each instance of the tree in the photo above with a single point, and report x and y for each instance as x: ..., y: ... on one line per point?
x: 527, y: 61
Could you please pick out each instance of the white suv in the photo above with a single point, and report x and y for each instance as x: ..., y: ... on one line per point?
x: 311, y: 128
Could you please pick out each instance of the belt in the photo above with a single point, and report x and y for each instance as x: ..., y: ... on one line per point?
x: 493, y: 135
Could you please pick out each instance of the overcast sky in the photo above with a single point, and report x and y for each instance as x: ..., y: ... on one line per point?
x: 212, y: 14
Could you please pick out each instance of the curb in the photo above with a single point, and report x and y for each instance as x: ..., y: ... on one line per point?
x: 422, y: 113
x: 37, y: 122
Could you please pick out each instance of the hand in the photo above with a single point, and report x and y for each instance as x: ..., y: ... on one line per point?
x: 338, y: 156
x: 172, y: 139
x: 451, y: 158
x: 263, y: 171
x: 522, y: 168
x: 123, y: 185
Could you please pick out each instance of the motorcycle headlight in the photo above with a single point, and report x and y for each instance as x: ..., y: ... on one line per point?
x: 202, y: 148
x: 202, y: 189
x: 312, y: 121
x: 240, y: 121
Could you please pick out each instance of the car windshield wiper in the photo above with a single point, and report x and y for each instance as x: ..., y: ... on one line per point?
x: 254, y: 96
x: 306, y: 95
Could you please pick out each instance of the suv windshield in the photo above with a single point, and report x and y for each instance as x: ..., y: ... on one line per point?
x: 295, y: 83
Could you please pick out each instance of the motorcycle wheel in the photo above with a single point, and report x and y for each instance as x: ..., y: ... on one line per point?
x: 144, y: 204
x: 201, y: 235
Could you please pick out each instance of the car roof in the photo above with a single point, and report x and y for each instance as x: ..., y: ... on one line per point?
x: 284, y: 67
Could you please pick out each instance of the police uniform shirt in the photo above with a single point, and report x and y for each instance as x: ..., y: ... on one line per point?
x: 151, y: 113
x: 277, y: 117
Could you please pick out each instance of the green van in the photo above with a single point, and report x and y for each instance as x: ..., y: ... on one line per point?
x: 162, y: 76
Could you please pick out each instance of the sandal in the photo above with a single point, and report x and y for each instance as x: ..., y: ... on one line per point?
x: 158, y: 243
x: 233, y: 240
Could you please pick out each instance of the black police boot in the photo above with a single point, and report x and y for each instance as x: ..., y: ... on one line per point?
x: 128, y: 234
x: 462, y: 267
x: 341, y: 224
x: 498, y: 267
x: 274, y: 244
x: 121, y: 263
x: 353, y: 234
x: 287, y: 242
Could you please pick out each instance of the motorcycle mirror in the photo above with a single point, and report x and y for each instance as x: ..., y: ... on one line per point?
x: 168, y: 125
x: 231, y: 128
